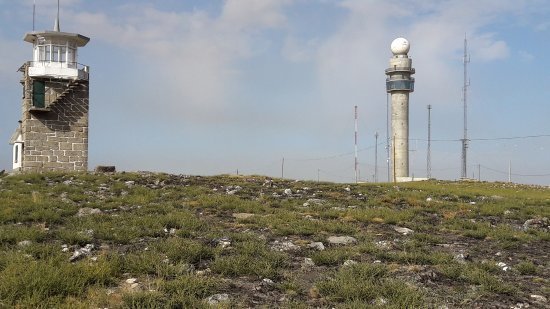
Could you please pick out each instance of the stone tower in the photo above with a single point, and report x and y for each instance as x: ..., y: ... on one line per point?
x: 53, y: 131
x: 399, y: 84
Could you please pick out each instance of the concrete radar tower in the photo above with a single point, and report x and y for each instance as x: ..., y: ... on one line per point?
x: 399, y: 84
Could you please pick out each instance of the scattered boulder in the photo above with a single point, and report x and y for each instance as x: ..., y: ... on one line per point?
x: 284, y: 246
x: 267, y: 281
x: 231, y: 190
x: 86, y: 211
x: 383, y: 244
x: 105, y: 169
x: 349, y: 262
x: 341, y: 240
x: 403, y: 230
x: 503, y: 266
x: 242, y: 215
x: 380, y: 301
x: 171, y: 231
x: 217, y: 298
x: 314, y: 201
x: 131, y: 280
x: 308, y: 263
x: 461, y: 258
x: 223, y: 242
x: 539, y: 298
x: 539, y: 223
x: 82, y: 252
x: 24, y: 243
x: 317, y: 246
x: 288, y: 192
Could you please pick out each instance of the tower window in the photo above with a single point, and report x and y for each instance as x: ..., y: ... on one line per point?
x: 16, y: 159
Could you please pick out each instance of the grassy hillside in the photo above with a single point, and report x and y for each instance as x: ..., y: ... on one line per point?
x: 143, y: 240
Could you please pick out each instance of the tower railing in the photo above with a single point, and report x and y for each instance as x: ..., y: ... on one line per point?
x: 83, y: 70
x: 400, y: 69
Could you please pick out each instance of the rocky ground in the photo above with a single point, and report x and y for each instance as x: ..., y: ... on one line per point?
x: 145, y: 240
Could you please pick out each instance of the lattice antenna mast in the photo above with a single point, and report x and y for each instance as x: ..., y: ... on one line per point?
x: 429, y: 152
x: 466, y: 60
x: 356, y: 162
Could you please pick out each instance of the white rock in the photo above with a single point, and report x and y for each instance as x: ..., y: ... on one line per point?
x: 383, y: 244
x: 288, y: 192
x: 24, y: 243
x: 429, y: 199
x: 88, y: 211
x: 308, y: 262
x: 284, y: 246
x: 349, y: 262
x: 82, y: 252
x: 317, y: 246
x: 341, y: 240
x: 203, y: 272
x: 347, y: 189
x: 268, y: 281
x: 503, y: 266
x: 131, y: 280
x: 242, y: 215
x: 539, y: 298
x: 461, y: 258
x: 130, y: 183
x: 403, y: 230
x: 315, y: 201
x: 217, y: 298
x: 380, y: 301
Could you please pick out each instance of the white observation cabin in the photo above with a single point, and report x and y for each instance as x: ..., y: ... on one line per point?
x: 55, y: 54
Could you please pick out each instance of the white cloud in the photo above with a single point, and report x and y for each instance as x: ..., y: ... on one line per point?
x: 296, y: 50
x: 486, y: 48
x: 196, y: 54
x: 526, y: 56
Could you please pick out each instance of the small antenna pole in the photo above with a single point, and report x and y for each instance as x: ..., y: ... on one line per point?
x: 429, y: 152
x: 283, y: 169
x: 510, y: 171
x: 479, y: 172
x: 356, y: 163
x: 376, y: 157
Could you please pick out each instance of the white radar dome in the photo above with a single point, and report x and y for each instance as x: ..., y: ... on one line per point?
x: 400, y: 46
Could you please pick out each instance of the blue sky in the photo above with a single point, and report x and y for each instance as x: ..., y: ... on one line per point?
x: 211, y: 87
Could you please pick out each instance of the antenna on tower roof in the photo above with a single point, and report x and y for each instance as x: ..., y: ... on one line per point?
x: 56, y: 25
x: 33, y: 13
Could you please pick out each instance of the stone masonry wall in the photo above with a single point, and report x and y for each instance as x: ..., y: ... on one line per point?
x: 57, y: 140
